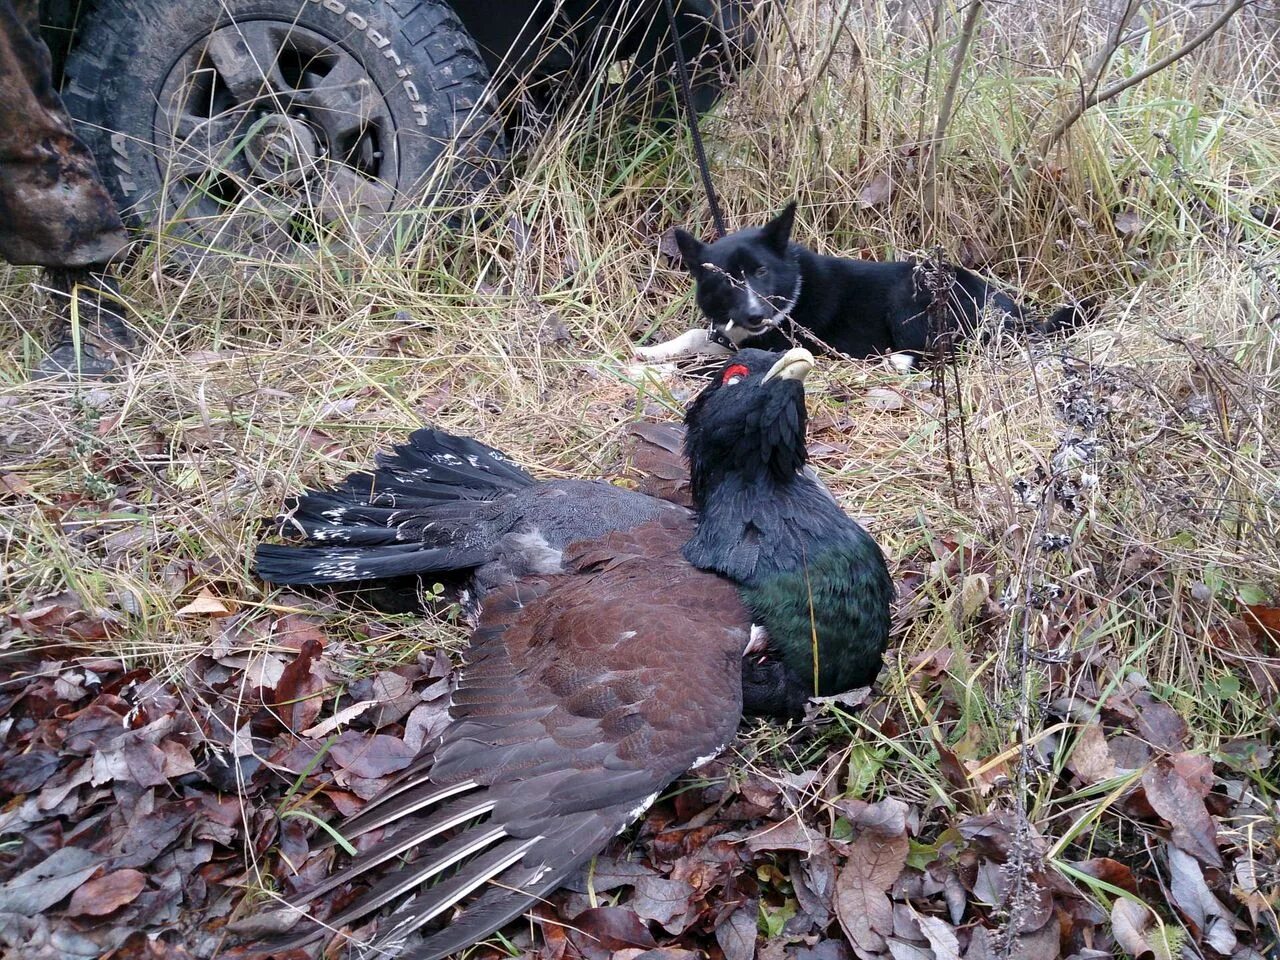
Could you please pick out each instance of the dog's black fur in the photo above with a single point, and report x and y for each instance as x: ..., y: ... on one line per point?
x: 758, y: 289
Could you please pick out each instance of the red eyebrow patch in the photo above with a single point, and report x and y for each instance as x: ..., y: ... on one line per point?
x: 737, y: 370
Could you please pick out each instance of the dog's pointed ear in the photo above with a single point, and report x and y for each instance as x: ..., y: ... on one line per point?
x: 777, y: 232
x: 690, y: 251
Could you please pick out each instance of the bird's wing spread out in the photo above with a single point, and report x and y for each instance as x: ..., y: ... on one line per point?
x: 585, y: 694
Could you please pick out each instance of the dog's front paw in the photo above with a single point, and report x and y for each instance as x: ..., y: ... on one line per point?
x: 647, y: 354
x: 694, y: 343
x: 646, y: 370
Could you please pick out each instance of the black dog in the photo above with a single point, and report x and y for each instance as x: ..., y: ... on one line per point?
x: 759, y: 289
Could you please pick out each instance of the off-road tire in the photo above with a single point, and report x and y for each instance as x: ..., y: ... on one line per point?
x: 419, y: 57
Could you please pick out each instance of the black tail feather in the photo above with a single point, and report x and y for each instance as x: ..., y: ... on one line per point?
x: 399, y: 491
x: 350, y: 535
x: 442, y: 456
x: 319, y: 565
x: 432, y: 468
x: 410, y: 516
x: 339, y: 507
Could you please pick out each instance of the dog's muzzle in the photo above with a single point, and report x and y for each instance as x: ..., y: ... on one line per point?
x: 764, y: 326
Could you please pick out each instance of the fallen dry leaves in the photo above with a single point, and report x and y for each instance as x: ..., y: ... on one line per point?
x: 146, y: 815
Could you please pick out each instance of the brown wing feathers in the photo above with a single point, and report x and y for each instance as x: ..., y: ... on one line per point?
x: 571, y: 715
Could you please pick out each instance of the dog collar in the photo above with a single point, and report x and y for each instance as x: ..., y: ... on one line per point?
x: 720, y: 338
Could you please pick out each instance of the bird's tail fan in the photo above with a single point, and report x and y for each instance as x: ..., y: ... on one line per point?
x: 444, y: 458
x: 432, y: 468
x: 418, y: 512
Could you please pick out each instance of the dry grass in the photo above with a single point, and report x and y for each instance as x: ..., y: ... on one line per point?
x: 257, y: 378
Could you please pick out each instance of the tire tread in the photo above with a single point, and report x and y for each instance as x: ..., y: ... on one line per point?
x: 458, y: 79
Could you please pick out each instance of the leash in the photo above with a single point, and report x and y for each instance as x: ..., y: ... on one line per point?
x: 691, y: 117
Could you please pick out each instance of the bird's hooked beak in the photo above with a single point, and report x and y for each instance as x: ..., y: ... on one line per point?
x: 795, y: 364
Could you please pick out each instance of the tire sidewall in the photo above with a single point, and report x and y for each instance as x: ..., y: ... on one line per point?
x: 134, y: 44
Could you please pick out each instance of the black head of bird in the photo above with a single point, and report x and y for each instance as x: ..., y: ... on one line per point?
x: 747, y: 426
x: 608, y: 652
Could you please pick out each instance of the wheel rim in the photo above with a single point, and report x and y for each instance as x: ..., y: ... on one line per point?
x: 270, y: 134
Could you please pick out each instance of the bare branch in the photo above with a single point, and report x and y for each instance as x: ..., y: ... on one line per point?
x: 1093, y: 76
x: 1120, y: 86
x: 967, y: 31
x: 1168, y: 18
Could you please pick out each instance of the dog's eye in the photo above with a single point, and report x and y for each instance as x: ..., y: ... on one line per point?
x: 732, y: 374
x: 762, y: 271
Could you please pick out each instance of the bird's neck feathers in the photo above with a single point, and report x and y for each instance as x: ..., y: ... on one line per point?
x: 751, y: 450
x: 746, y: 456
x: 751, y: 526
x: 758, y: 483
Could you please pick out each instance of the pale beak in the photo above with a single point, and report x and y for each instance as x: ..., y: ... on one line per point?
x: 795, y: 364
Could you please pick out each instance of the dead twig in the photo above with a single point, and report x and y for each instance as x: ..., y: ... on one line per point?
x: 930, y: 166
x: 1120, y: 86
x: 816, y: 78
x: 1093, y: 76
x: 936, y: 278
